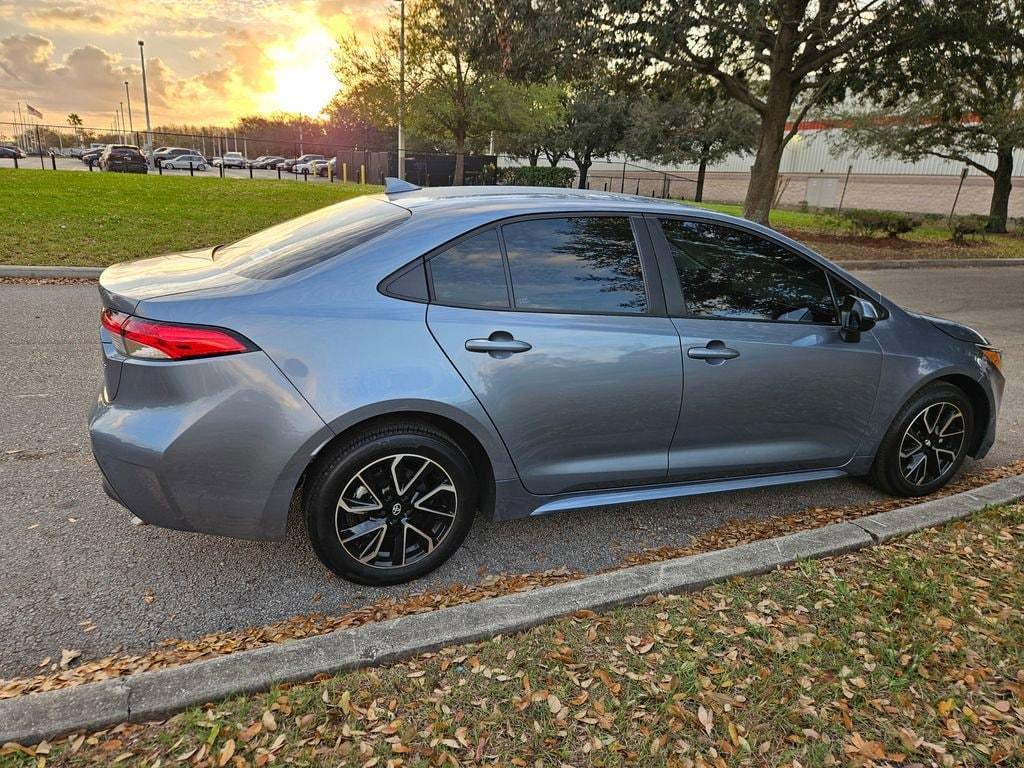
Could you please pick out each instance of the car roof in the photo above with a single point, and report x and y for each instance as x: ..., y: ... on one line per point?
x: 510, y: 200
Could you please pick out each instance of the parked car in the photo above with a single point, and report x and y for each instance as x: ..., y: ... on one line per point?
x: 8, y: 152
x: 408, y: 358
x: 268, y: 161
x: 92, y: 156
x: 317, y: 167
x: 182, y: 162
x: 291, y: 165
x: 164, y: 153
x: 259, y: 161
x: 231, y: 160
x: 123, y: 158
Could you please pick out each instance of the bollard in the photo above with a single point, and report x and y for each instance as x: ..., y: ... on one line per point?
x: 362, y: 174
x: 250, y: 171
x: 305, y: 174
x: 16, y: 163
x: 190, y: 173
x: 160, y: 169
x: 53, y: 161
x: 344, y: 172
x: 221, y: 166
x: 279, y: 173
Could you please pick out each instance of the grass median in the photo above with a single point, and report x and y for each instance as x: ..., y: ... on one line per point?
x: 825, y: 233
x: 95, y: 219
x: 908, y: 653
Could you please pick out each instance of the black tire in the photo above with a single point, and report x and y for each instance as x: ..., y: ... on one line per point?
x: 889, y: 471
x: 372, y: 452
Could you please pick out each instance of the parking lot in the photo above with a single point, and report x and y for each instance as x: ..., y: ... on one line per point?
x: 78, y: 575
x: 74, y: 164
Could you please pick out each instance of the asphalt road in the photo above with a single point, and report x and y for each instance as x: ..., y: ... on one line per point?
x: 69, y: 556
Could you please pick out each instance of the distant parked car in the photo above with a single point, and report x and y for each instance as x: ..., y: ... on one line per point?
x: 291, y: 165
x: 316, y: 166
x: 268, y: 161
x: 165, y: 153
x: 231, y: 160
x: 124, y: 158
x: 9, y: 153
x: 77, y: 151
x: 182, y: 162
x: 92, y: 156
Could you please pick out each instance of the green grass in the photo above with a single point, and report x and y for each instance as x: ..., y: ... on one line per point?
x: 931, y: 240
x: 909, y: 653
x: 96, y: 219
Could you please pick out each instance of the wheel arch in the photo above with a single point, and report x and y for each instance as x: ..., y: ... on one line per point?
x: 979, y: 404
x: 484, y: 461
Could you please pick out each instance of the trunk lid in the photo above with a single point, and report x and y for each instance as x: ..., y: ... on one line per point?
x: 123, y: 286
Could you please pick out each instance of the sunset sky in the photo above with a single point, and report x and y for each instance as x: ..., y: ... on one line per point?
x: 207, y: 61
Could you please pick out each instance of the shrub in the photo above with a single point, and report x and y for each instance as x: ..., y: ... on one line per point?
x: 890, y: 223
x: 536, y: 176
x: 963, y: 226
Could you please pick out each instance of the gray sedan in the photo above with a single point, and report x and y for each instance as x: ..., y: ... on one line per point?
x: 403, y: 360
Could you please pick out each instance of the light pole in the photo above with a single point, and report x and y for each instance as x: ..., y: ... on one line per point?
x: 128, y: 96
x: 124, y: 135
x: 401, y: 89
x: 145, y: 101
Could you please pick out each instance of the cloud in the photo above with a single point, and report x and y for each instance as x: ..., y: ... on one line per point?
x: 208, y: 61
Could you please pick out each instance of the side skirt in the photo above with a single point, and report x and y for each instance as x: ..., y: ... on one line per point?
x: 522, y: 504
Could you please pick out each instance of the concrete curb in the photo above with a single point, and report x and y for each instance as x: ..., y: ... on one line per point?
x: 13, y: 270
x: 152, y: 695
x: 853, y: 266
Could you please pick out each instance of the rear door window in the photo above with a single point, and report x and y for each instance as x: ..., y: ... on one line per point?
x: 586, y: 264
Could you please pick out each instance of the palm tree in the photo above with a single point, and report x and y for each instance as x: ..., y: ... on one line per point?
x: 75, y: 122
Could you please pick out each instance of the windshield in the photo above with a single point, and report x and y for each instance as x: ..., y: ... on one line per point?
x: 300, y: 243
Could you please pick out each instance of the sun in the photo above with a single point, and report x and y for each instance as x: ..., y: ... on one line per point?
x: 304, y: 80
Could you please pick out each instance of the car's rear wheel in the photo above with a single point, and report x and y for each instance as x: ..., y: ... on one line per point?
x: 927, y: 442
x: 391, y: 504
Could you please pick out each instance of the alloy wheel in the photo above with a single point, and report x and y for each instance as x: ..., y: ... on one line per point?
x: 395, y: 510
x: 932, y: 443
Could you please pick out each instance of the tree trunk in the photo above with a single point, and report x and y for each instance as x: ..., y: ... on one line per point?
x: 460, y: 161
x: 534, y: 156
x: 701, y: 170
x: 584, y: 167
x: 999, y: 208
x: 765, y: 172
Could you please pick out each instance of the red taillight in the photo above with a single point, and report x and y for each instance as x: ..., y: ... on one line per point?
x: 153, y: 340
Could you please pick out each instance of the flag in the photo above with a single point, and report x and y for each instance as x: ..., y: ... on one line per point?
x: 33, y: 111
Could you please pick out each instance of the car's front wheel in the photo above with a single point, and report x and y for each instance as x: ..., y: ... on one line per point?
x: 391, y: 504
x: 927, y: 442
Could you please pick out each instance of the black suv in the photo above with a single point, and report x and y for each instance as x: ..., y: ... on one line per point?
x: 123, y: 158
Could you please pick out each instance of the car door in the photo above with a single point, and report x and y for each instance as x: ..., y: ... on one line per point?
x: 769, y: 384
x: 557, y: 324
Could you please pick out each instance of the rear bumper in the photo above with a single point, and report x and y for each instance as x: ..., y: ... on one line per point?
x: 213, y: 446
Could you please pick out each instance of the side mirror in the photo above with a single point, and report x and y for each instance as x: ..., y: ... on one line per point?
x: 856, y: 316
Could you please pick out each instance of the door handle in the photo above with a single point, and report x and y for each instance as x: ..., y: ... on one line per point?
x: 713, y: 352
x: 499, y: 342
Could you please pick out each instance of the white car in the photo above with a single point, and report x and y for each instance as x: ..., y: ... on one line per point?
x: 231, y: 160
x: 181, y: 162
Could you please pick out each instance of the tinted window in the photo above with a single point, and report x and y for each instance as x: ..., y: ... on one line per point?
x: 585, y: 264
x: 300, y: 243
x: 726, y: 272
x: 471, y: 273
